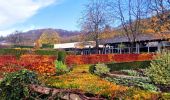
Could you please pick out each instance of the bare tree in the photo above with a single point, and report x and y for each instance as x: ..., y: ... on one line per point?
x: 160, y: 10
x: 15, y: 38
x: 95, y: 18
x: 129, y: 14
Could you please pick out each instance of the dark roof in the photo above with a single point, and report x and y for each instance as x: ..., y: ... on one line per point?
x: 139, y: 38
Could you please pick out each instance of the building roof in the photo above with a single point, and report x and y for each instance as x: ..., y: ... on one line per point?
x: 139, y: 38
x: 79, y: 45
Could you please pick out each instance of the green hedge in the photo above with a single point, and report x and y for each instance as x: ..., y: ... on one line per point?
x: 16, y: 52
x: 129, y: 65
x: 47, y: 52
x: 61, y: 56
x: 19, y: 46
x: 19, y: 52
x: 47, y: 46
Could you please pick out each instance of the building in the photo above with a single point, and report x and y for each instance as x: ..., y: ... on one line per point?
x: 143, y: 43
x: 78, y: 47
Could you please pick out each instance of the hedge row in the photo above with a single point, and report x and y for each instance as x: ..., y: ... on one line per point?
x: 19, y: 52
x: 124, y: 66
x: 41, y: 64
x: 129, y: 65
x: 107, y: 58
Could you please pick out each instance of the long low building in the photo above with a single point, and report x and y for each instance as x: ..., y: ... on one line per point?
x: 75, y: 45
x: 143, y: 43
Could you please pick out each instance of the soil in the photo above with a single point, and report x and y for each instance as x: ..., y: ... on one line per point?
x: 164, y: 88
x: 119, y: 73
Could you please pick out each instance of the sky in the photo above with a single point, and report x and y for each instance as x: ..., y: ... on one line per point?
x: 24, y: 15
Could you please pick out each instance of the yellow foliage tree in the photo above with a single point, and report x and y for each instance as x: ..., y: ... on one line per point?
x: 49, y: 37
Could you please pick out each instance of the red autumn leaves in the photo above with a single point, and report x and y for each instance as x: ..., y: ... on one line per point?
x: 45, y: 64
x: 37, y: 63
x: 93, y: 59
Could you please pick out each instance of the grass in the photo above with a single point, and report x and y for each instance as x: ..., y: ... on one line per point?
x: 80, y: 78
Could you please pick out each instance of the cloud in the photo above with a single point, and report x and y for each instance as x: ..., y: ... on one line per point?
x: 18, y: 11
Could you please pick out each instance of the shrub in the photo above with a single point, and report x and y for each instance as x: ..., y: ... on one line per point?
x: 47, y: 52
x: 47, y: 46
x: 131, y: 72
x: 107, y: 58
x: 159, y: 71
x: 61, y: 56
x: 142, y: 82
x: 20, y: 46
x: 92, y: 69
x: 61, y: 68
x: 101, y: 69
x: 15, y: 52
x: 15, y: 85
x: 129, y: 65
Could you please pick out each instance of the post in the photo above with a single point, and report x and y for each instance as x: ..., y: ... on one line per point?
x: 148, y: 49
x: 159, y: 46
x: 137, y: 48
x: 120, y: 50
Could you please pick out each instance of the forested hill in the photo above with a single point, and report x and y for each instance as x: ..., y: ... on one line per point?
x: 31, y: 36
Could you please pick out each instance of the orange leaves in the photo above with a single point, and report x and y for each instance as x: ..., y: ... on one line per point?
x: 107, y: 58
x: 40, y: 64
x: 37, y: 63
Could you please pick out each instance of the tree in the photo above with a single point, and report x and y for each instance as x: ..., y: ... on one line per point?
x: 49, y: 37
x: 15, y: 38
x: 95, y: 18
x: 160, y: 10
x: 129, y: 14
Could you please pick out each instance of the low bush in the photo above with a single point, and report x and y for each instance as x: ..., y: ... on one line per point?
x: 47, y: 46
x: 131, y: 72
x: 159, y: 71
x: 61, y: 56
x: 15, y: 52
x: 61, y: 68
x: 101, y: 69
x: 129, y: 65
x: 20, y: 46
x: 46, y: 52
x: 106, y: 58
x: 15, y: 85
x: 142, y: 82
x: 92, y: 69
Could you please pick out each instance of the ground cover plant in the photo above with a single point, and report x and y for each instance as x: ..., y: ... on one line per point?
x: 37, y: 63
x: 80, y: 78
x: 15, y: 85
x: 131, y: 75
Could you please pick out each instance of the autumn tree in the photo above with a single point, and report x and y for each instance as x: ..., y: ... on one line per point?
x: 94, y: 19
x: 129, y: 14
x: 49, y: 37
x: 160, y: 10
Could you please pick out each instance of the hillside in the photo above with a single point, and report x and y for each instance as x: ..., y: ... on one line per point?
x: 29, y: 37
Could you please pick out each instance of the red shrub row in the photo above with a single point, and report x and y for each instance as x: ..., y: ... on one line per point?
x: 40, y: 64
x: 106, y: 58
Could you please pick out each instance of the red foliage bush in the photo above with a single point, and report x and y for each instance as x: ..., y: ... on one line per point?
x: 106, y: 58
x: 40, y: 64
x: 37, y: 63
